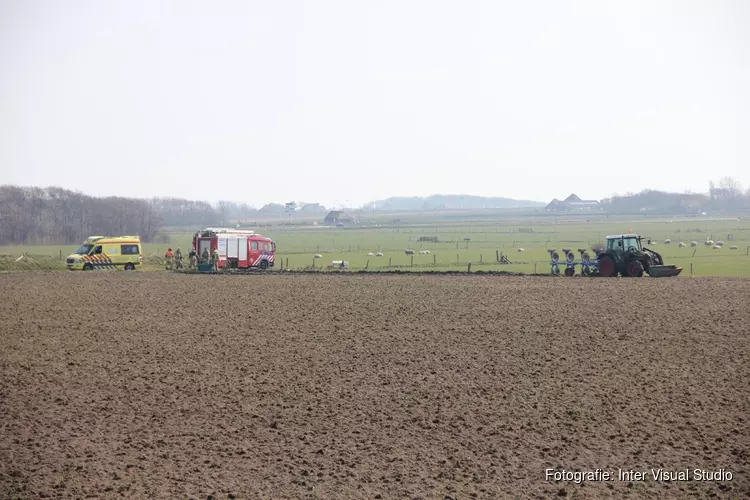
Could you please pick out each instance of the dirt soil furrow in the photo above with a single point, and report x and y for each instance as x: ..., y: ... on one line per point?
x: 393, y: 386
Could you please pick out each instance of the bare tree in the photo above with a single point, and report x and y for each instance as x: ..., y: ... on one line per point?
x: 728, y: 196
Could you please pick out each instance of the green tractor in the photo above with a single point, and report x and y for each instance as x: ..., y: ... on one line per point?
x: 625, y: 255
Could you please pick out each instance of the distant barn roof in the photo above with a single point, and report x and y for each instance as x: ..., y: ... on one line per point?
x: 337, y: 216
x: 572, y: 202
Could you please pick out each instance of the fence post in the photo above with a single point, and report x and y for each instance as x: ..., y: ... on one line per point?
x: 313, y: 266
x: 481, y: 260
x: 457, y: 261
x: 389, y: 261
x: 287, y: 263
x: 368, y: 264
x: 469, y: 268
x: 534, y: 267
x: 497, y: 255
x: 691, y: 269
x: 61, y: 254
x: 434, y: 260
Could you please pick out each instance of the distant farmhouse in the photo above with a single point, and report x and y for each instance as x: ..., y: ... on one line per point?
x: 338, y: 218
x: 571, y: 203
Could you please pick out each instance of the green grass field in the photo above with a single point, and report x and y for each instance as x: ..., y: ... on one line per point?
x: 535, y: 234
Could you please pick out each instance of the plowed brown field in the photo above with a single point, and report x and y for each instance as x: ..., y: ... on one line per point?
x: 289, y: 386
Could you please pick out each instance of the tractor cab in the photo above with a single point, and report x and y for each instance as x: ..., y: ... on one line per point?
x: 624, y: 242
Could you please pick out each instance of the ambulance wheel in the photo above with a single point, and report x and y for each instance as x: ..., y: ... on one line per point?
x: 88, y: 266
x: 129, y: 267
x: 264, y: 264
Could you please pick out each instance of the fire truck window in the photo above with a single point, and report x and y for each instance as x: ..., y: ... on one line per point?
x: 254, y: 245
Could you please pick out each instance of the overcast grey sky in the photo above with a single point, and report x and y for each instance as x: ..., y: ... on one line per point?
x: 336, y: 101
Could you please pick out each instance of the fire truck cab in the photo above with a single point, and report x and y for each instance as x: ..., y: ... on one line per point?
x: 238, y: 248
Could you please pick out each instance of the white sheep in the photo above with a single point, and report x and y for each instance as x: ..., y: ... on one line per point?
x: 710, y: 243
x: 379, y: 254
x: 667, y: 241
x: 733, y: 247
x: 409, y: 251
x: 318, y: 256
x: 719, y: 243
x: 521, y: 249
x: 682, y: 244
x: 717, y: 247
x: 693, y: 244
x: 370, y: 254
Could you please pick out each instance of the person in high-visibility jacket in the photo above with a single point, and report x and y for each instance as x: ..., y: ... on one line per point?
x: 169, y: 258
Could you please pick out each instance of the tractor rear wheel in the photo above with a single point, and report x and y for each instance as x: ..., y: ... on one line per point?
x: 607, y: 266
x: 635, y: 269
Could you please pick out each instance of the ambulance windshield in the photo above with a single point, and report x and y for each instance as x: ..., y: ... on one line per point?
x: 84, y: 249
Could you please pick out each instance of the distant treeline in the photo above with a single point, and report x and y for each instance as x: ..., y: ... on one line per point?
x: 39, y: 216
x: 727, y: 196
x: 30, y: 215
x: 176, y: 212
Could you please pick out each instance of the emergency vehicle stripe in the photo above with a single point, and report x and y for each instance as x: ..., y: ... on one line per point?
x: 268, y: 257
x: 100, y: 262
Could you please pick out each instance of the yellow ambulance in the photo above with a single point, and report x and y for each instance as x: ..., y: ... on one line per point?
x: 107, y: 252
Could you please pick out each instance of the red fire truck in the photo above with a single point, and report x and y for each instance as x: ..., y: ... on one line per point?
x: 238, y: 248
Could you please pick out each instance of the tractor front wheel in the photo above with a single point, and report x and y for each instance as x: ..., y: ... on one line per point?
x: 635, y: 269
x: 607, y: 267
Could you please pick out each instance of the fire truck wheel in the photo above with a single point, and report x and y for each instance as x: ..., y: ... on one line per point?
x: 264, y: 264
